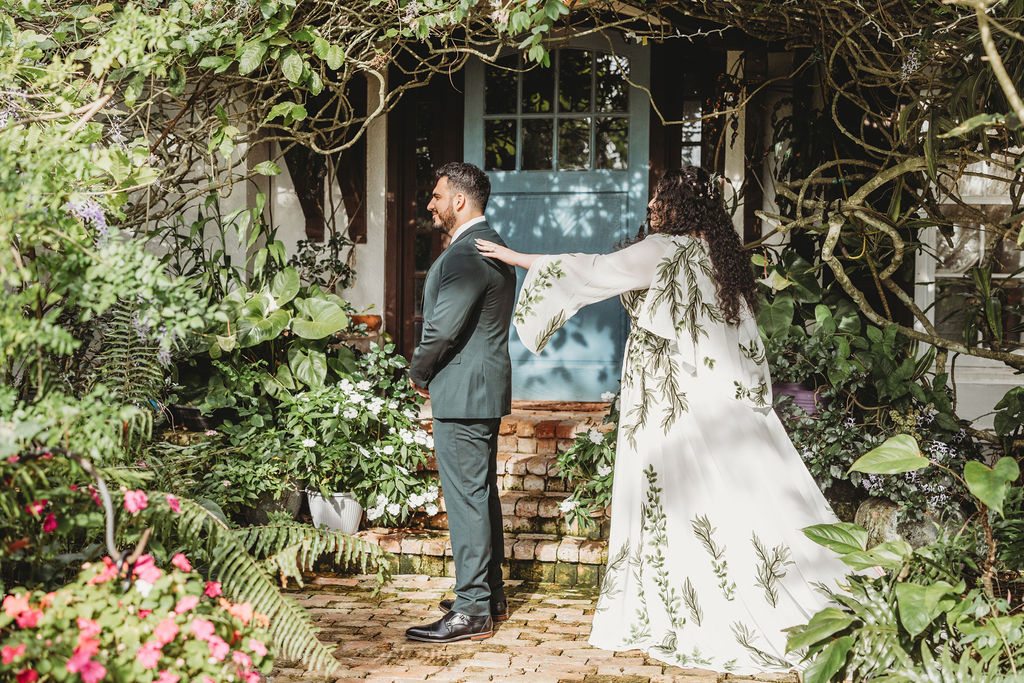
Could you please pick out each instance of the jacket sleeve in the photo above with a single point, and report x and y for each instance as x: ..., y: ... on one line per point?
x: 557, y: 286
x: 459, y: 290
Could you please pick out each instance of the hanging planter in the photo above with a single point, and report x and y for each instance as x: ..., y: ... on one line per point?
x: 338, y: 511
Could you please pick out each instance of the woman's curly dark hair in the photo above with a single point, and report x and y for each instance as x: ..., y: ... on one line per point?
x: 688, y: 202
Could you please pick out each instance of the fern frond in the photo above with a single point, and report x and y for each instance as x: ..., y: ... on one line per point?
x: 288, y: 549
x: 244, y: 578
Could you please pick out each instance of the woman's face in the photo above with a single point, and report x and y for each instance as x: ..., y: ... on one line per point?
x: 654, y: 213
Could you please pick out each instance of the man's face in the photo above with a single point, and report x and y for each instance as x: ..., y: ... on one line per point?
x: 442, y: 206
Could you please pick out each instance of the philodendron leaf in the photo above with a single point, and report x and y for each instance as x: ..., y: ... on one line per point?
x: 227, y: 342
x: 318, y: 318
x: 821, y: 627
x: 989, y: 484
x: 254, y: 330
x: 898, y: 453
x: 889, y: 555
x: 842, y: 537
x: 919, y: 605
x: 829, y: 661
x: 308, y: 368
x: 285, y: 285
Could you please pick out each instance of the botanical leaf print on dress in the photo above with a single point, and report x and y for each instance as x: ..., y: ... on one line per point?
x: 707, y: 563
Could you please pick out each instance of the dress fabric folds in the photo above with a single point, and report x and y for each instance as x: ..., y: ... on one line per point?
x: 707, y: 563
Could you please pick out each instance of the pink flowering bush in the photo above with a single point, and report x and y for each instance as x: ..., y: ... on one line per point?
x: 170, y: 626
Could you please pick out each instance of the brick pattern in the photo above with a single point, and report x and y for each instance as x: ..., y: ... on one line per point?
x: 543, y: 641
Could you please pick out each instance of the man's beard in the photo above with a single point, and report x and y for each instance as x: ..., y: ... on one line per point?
x: 445, y: 222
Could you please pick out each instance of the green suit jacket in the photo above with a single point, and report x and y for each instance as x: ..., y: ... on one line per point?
x: 462, y: 357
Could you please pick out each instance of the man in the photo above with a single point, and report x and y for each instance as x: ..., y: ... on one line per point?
x: 462, y: 365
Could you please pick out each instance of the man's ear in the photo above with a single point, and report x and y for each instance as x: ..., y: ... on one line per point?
x: 459, y: 201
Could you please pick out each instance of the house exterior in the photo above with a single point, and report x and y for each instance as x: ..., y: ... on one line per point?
x: 572, y: 153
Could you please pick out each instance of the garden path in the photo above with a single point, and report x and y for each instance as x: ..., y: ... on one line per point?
x: 544, y: 639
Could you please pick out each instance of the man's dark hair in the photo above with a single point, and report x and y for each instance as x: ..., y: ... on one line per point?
x: 466, y: 179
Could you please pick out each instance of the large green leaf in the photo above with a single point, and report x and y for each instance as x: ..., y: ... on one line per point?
x: 821, y: 626
x: 251, y: 57
x: 309, y: 368
x: 285, y: 285
x: 829, y: 661
x: 318, y: 318
x: 775, y: 316
x: 989, y: 484
x: 291, y: 66
x: 253, y: 330
x: 890, y: 555
x: 896, y: 454
x: 919, y: 605
x: 842, y: 537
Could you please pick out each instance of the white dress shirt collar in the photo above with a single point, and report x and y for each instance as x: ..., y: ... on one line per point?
x: 466, y: 226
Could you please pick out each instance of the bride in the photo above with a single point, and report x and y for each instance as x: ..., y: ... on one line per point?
x: 707, y: 564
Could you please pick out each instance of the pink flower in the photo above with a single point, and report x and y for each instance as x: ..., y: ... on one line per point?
x: 93, y: 672
x: 168, y: 677
x: 88, y: 627
x: 15, y: 605
x: 149, y: 655
x: 241, y: 659
x: 77, y: 661
x: 13, y: 459
x: 181, y: 562
x: 108, y: 572
x: 212, y: 589
x: 27, y: 676
x: 258, y: 647
x: 146, y: 569
x: 207, y: 679
x: 165, y: 631
x: 9, y: 653
x: 242, y: 611
x: 218, y: 648
x: 87, y: 647
x: 36, y: 506
x: 29, y: 618
x: 251, y: 677
x: 186, y: 603
x: 95, y: 495
x: 73, y: 487
x: 202, y: 628
x: 135, y: 501
x: 173, y: 503
x: 143, y: 613
x: 50, y: 523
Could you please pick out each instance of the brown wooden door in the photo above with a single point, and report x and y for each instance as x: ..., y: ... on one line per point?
x: 424, y: 132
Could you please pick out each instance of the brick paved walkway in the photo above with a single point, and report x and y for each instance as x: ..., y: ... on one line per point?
x: 544, y: 639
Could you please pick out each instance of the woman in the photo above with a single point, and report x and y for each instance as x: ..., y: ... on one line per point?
x: 707, y: 562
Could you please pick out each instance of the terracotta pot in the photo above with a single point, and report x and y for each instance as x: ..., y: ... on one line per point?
x: 372, y: 322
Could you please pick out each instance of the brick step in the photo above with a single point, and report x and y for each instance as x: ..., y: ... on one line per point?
x: 524, y: 512
x: 565, y: 560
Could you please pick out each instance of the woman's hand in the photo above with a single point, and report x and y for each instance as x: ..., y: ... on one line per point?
x: 504, y: 254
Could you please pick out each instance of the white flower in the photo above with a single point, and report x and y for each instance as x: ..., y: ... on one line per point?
x: 308, y: 443
x: 604, y: 470
x: 403, y: 471
x: 430, y: 509
x: 365, y: 453
x: 411, y: 414
x: 567, y: 505
x: 415, y: 500
x: 388, y: 450
x: 350, y: 413
x: 363, y: 385
x: 420, y: 437
x: 407, y: 436
x: 374, y: 513
x: 357, y: 398
x: 382, y: 500
x: 608, y: 396
x: 345, y: 386
x: 271, y: 304
x: 393, y: 405
x: 337, y: 408
x: 431, y: 494
x: 430, y: 441
x: 596, y: 437
x: 394, y: 509
x: 375, y: 406
x: 226, y: 483
x: 144, y: 587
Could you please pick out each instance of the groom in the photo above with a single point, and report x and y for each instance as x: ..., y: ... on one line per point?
x: 462, y: 365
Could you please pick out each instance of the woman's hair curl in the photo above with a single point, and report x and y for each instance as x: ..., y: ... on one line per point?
x: 688, y: 201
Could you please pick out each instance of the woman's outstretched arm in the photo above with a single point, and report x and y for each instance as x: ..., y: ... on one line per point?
x: 513, y: 258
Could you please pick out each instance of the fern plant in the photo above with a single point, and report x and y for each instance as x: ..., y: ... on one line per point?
x: 129, y: 363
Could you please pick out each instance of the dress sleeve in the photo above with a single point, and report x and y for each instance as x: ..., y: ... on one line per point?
x: 559, y: 285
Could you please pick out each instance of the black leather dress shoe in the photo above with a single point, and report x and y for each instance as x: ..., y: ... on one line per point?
x: 451, y: 627
x: 499, y: 610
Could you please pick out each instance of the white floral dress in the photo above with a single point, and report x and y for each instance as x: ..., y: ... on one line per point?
x: 707, y: 562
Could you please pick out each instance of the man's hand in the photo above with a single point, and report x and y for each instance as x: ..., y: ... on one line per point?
x: 420, y: 390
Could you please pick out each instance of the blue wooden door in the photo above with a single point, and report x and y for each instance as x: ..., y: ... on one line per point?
x: 566, y: 149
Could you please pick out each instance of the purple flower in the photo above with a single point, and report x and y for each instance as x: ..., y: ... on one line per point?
x: 90, y: 212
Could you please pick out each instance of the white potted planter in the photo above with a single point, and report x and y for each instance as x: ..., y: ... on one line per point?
x: 338, y: 511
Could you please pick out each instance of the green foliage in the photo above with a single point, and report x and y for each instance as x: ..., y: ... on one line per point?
x: 586, y: 469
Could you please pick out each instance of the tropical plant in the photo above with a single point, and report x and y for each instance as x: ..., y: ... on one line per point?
x: 586, y: 468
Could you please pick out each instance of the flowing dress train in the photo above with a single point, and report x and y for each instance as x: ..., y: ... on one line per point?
x: 706, y: 562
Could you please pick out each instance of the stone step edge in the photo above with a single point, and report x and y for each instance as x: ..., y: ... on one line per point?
x: 522, y: 547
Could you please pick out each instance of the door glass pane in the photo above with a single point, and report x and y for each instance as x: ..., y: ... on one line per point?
x: 538, y: 90
x: 500, y: 87
x: 538, y: 144
x: 963, y: 253
x: 422, y: 256
x: 418, y: 299
x: 500, y: 145
x: 422, y: 220
x: 612, y: 88
x: 611, y: 148
x: 574, y: 144
x: 574, y: 80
